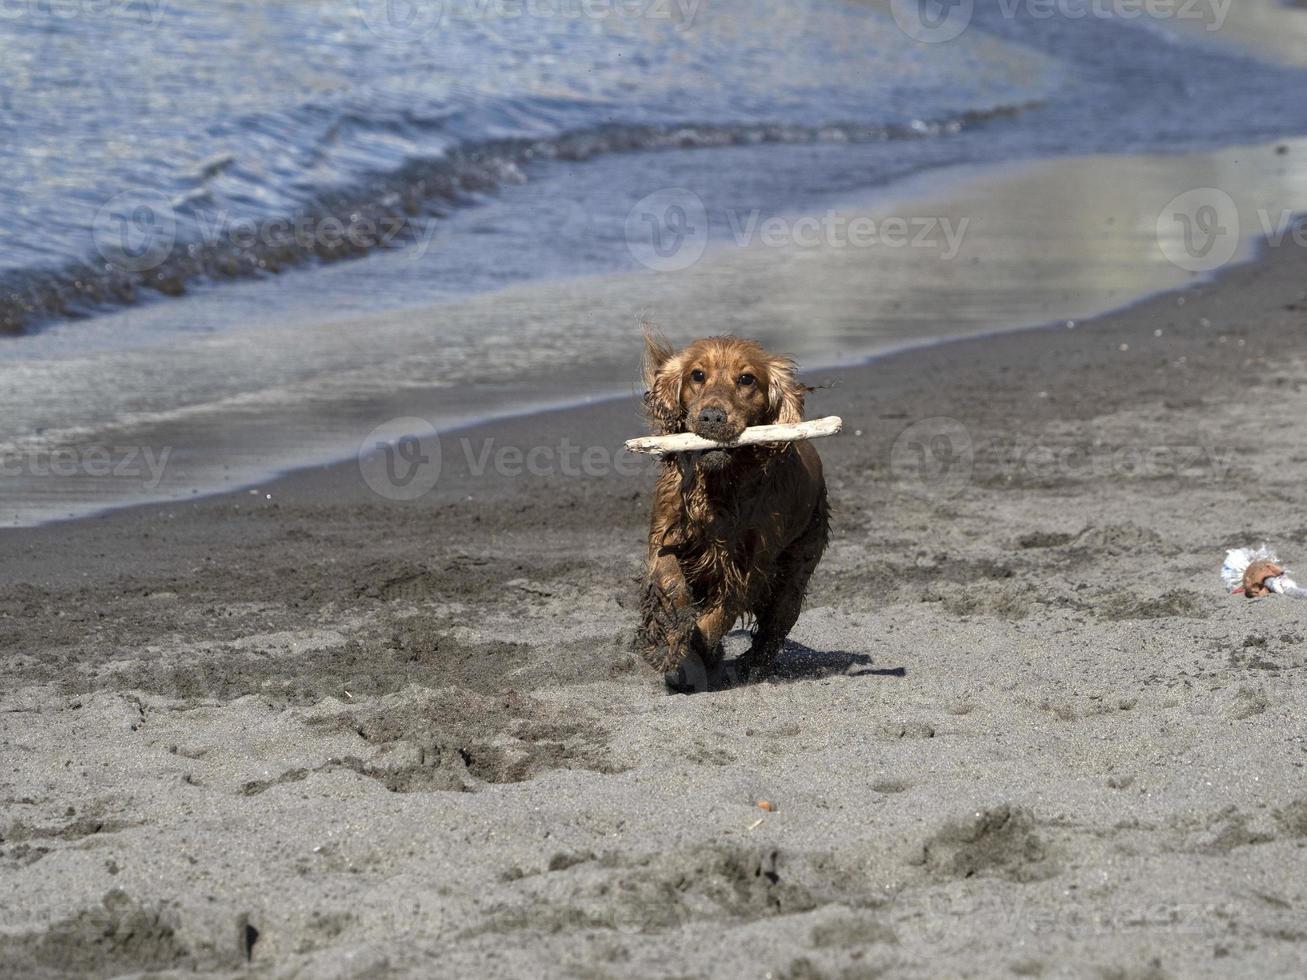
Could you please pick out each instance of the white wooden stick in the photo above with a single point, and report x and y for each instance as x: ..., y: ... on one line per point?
x: 688, y: 442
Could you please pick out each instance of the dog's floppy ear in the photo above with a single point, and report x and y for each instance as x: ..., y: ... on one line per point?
x: 662, y: 382
x: 784, y: 393
x: 657, y: 352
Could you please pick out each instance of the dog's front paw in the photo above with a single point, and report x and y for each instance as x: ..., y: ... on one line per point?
x: 701, y: 672
x: 690, y: 676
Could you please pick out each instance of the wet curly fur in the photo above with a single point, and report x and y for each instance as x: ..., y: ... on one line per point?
x: 735, y: 533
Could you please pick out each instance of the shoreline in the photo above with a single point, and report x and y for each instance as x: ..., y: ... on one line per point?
x: 330, y: 471
x: 1021, y: 265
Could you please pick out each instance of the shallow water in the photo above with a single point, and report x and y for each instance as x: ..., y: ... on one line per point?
x: 146, y: 144
x: 150, y: 149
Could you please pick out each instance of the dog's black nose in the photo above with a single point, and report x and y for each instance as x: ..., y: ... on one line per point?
x: 712, y: 416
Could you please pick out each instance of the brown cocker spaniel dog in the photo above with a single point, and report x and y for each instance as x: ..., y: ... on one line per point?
x: 735, y: 532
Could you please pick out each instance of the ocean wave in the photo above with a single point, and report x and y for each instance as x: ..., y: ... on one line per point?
x: 148, y: 245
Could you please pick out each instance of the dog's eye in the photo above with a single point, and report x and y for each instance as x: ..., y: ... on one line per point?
x: 698, y: 376
x: 747, y: 379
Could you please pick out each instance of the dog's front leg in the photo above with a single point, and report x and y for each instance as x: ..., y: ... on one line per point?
x: 667, y: 630
x: 713, y: 625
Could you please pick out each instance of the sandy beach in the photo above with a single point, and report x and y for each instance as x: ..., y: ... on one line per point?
x: 312, y: 731
x: 321, y: 559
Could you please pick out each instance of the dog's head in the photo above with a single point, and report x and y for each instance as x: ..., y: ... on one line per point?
x: 718, y: 387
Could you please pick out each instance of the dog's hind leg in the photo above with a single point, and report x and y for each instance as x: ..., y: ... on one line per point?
x: 779, y: 611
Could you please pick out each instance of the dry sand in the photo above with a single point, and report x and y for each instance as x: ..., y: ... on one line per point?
x: 1021, y: 730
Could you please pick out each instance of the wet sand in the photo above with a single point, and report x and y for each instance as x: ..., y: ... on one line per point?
x: 1019, y: 730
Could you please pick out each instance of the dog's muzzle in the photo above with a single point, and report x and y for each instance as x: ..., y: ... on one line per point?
x: 712, y: 423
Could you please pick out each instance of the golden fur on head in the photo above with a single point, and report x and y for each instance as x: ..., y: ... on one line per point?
x: 730, y: 374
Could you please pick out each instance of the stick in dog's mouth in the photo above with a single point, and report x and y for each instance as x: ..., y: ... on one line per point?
x: 686, y: 442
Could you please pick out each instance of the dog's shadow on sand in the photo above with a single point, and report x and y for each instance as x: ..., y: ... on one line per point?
x: 795, y: 662
x: 798, y: 662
